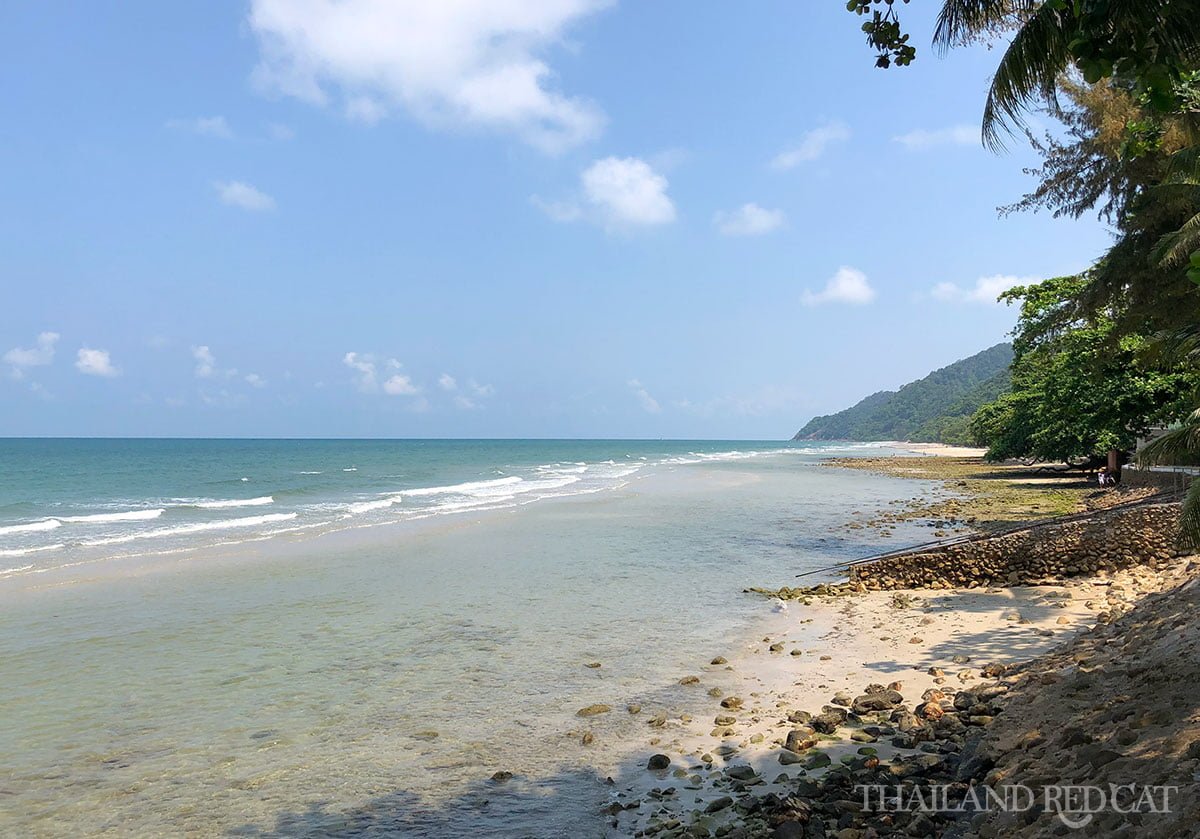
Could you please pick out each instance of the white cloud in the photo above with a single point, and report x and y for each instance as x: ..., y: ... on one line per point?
x: 281, y: 132
x: 470, y: 395
x: 748, y: 220
x: 812, y: 145
x: 239, y: 194
x: 19, y: 358
x: 365, y: 365
x: 626, y: 191
x: 848, y: 285
x: 957, y: 135
x: 206, y: 126
x: 986, y: 289
x: 399, y: 385
x: 95, y: 363
x: 450, y: 62
x: 205, y: 362
x: 649, y: 403
x: 560, y: 211
x: 255, y: 380
x: 367, y: 376
x: 482, y: 391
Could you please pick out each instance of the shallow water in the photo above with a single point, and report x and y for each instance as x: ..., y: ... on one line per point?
x: 371, y: 679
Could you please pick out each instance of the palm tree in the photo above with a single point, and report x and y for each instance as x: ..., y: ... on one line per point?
x: 1181, y: 446
x: 1153, y: 40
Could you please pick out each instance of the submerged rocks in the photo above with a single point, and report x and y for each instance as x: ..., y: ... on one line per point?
x: 658, y: 762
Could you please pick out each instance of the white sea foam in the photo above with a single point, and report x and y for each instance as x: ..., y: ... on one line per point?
x: 351, y: 469
x: 367, y: 506
x: 4, y: 572
x: 234, y: 502
x: 31, y: 527
x: 199, y: 527
x: 312, y: 473
x: 478, y: 488
x: 27, y: 551
x: 102, y: 518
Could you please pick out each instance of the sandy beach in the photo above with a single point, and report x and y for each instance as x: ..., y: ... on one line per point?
x: 845, y: 644
x: 825, y: 654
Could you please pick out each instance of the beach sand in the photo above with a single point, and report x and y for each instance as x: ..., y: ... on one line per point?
x: 846, y: 644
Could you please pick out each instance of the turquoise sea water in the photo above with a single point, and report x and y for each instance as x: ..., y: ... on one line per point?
x: 349, y: 637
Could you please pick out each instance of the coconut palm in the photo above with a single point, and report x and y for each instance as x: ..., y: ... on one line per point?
x: 1152, y: 40
x: 1181, y: 446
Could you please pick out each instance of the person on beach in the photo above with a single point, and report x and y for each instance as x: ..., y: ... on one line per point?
x: 1102, y: 476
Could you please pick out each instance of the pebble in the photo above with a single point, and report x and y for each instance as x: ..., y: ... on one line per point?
x: 593, y: 710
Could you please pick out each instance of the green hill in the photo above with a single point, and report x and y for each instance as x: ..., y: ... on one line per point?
x: 935, y: 409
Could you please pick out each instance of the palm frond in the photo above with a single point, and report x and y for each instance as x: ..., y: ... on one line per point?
x: 1178, y: 446
x: 1189, y: 518
x: 961, y: 21
x: 1028, y: 71
x: 1174, y: 249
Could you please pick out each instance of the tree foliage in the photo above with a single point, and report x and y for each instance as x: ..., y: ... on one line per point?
x: 1080, y: 387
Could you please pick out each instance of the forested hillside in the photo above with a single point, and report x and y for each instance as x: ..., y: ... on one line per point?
x: 935, y: 409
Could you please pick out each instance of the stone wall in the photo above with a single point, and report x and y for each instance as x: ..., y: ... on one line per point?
x: 1143, y: 535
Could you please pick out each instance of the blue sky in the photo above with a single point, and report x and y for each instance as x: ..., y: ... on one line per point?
x: 568, y: 218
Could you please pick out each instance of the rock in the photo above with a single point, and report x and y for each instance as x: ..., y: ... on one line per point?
x: 689, y: 680
x: 827, y: 723
x: 731, y: 703
x: 817, y: 761
x: 788, y: 758
x: 961, y: 659
x: 594, y: 665
x: 658, y: 762
x: 501, y: 776
x: 916, y: 640
x: 841, y: 698
x: 741, y: 772
x: 715, y: 692
x: 800, y: 739
x: 803, y: 717
x: 588, y: 738
x: 725, y: 719
x: 593, y: 710
x: 930, y: 711
x: 719, y: 804
x: 719, y: 660
x: 426, y: 735
x: 994, y: 671
x: 936, y: 671
x: 633, y: 709
x: 796, y: 652
x: 826, y: 658
x: 1063, y: 619
x: 862, y: 737
x: 776, y: 647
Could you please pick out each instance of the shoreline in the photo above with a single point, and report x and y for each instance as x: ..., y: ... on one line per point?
x: 815, y: 657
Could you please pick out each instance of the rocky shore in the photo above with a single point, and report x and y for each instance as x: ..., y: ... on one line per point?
x: 866, y: 713
x: 1109, y: 706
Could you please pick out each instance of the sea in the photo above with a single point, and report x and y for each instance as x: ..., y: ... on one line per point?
x: 352, y: 637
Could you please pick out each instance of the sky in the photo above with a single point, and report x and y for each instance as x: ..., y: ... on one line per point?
x: 491, y: 218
